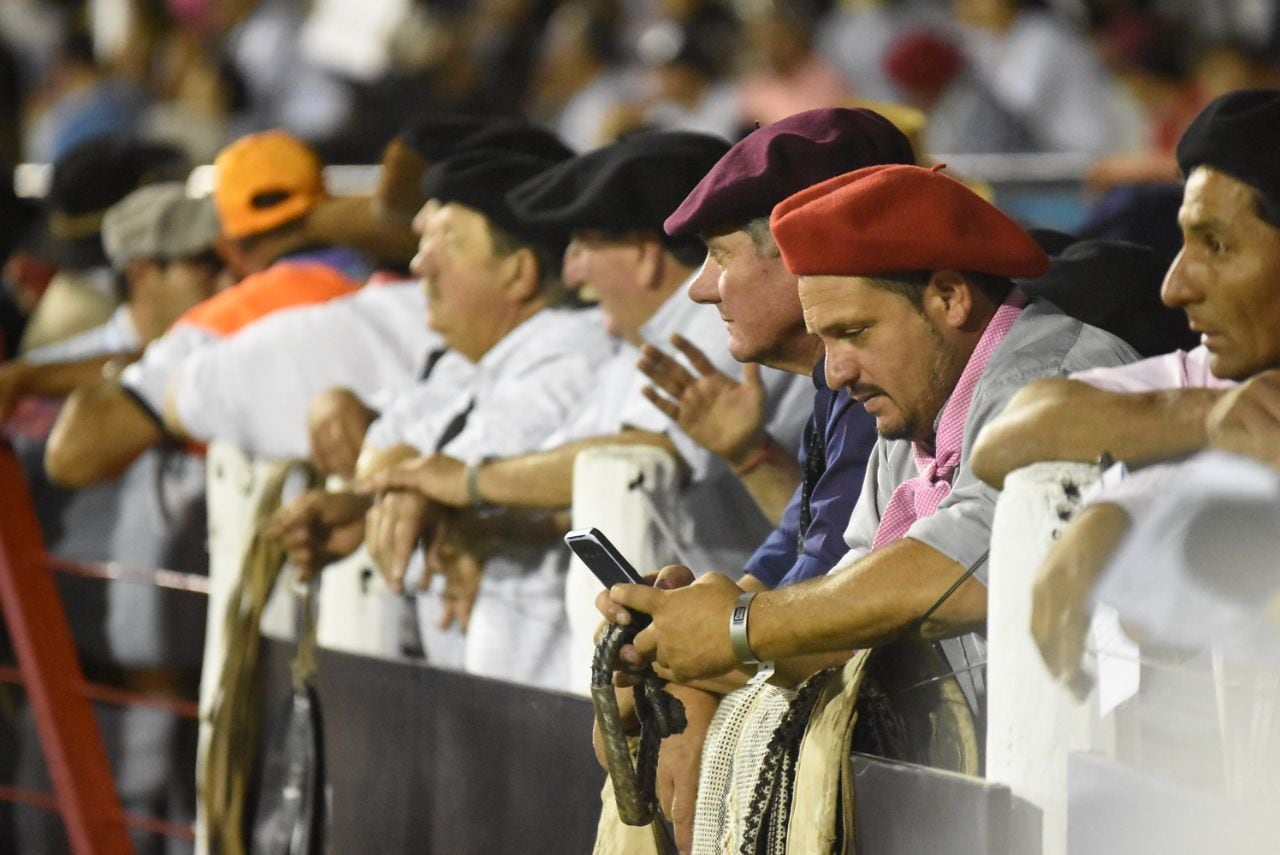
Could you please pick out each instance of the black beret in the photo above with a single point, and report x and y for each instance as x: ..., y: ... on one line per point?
x: 1238, y: 134
x: 630, y: 185
x: 436, y: 135
x: 521, y: 136
x: 1115, y: 285
x: 101, y: 171
x: 480, y: 179
x: 89, y: 179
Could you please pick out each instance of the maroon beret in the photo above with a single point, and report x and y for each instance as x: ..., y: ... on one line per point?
x: 772, y: 162
x: 896, y: 219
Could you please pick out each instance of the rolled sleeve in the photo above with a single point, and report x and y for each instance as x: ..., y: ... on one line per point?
x: 148, y: 378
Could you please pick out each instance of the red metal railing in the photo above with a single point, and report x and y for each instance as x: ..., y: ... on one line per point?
x: 84, y: 794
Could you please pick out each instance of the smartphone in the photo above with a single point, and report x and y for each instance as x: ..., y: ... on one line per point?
x: 606, y: 562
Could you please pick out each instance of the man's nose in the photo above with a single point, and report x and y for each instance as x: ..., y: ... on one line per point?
x: 1178, y: 288
x: 705, y: 287
x: 841, y: 369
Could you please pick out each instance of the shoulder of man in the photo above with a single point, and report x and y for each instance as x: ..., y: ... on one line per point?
x: 281, y: 286
x: 1046, y: 342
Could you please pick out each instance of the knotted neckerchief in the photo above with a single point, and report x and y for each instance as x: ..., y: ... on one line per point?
x: 920, y: 496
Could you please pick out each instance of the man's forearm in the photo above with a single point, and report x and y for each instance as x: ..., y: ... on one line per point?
x: 100, y: 431
x: 866, y: 605
x: 1060, y: 419
x: 771, y: 474
x: 59, y: 379
x: 545, y: 480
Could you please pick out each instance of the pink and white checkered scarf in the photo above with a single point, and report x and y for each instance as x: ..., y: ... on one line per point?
x: 921, y: 495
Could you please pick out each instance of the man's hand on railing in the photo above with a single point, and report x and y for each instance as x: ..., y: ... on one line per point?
x: 337, y: 421
x: 1246, y: 420
x: 1060, y: 610
x: 451, y: 554
x: 438, y: 477
x: 318, y: 528
x: 393, y: 528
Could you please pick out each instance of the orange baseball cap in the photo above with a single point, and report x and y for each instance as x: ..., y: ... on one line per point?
x: 264, y: 180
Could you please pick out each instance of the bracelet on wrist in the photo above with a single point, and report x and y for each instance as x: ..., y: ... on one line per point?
x: 474, y: 499
x: 757, y: 458
x: 738, y: 629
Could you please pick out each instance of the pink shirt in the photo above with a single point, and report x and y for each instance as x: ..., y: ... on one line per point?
x: 1177, y: 370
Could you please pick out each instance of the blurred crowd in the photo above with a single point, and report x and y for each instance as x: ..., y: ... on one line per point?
x: 1098, y: 76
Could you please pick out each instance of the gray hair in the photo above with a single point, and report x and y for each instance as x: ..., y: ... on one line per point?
x: 762, y: 238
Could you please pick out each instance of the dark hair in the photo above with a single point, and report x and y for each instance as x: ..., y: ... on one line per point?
x: 689, y: 251
x: 505, y: 243
x: 910, y: 285
x: 1266, y: 208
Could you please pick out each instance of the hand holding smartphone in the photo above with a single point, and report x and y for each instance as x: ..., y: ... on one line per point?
x: 606, y: 562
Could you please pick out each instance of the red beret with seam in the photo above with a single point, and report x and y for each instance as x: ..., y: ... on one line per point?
x: 897, y: 219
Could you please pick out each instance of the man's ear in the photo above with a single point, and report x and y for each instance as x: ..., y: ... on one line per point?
x: 522, y: 275
x: 142, y: 279
x: 949, y: 299
x: 652, y: 257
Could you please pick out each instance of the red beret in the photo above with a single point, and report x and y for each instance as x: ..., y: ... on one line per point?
x: 896, y: 219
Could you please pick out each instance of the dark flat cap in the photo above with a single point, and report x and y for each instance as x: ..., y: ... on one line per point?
x: 631, y: 185
x: 1115, y: 285
x: 1238, y: 134
x: 498, y: 135
x: 480, y: 179
x: 89, y: 179
x: 435, y: 135
x: 778, y: 160
x: 517, y: 135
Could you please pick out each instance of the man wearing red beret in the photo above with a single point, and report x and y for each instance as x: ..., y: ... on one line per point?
x: 905, y: 276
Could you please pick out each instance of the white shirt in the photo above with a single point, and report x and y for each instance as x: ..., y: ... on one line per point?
x: 148, y: 378
x: 254, y: 388
x: 528, y: 385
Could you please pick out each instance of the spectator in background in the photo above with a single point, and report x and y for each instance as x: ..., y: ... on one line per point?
x: 1224, y: 67
x: 579, y: 78
x: 265, y: 185
x: 82, y: 100
x: 161, y: 244
x: 1047, y: 75
x: 856, y: 33
x: 87, y: 181
x: 1149, y: 59
x: 962, y: 113
x: 683, y: 90
x: 784, y: 74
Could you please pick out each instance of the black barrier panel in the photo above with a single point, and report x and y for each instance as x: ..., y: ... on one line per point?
x: 428, y: 761
x: 911, y: 810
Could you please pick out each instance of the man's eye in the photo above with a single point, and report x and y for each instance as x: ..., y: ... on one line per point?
x: 1214, y: 245
x: 853, y: 333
